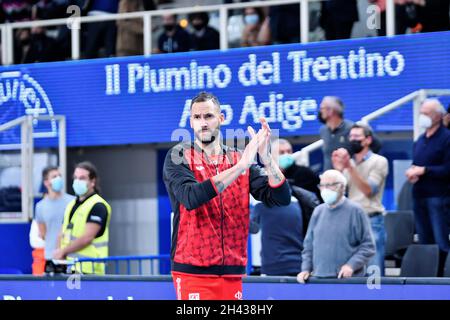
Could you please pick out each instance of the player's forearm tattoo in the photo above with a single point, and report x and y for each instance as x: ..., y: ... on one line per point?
x: 272, y: 171
x: 220, y: 186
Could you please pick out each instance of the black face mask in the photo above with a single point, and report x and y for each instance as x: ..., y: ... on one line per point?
x: 169, y: 27
x: 355, y: 146
x: 320, y: 118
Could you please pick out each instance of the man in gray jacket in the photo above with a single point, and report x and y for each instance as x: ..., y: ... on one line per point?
x: 339, y: 242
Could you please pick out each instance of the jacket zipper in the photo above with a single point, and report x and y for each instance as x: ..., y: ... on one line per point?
x: 222, y: 218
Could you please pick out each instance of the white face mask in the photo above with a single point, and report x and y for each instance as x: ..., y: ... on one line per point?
x: 425, y: 122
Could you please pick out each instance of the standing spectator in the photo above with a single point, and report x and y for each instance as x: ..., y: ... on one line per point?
x: 174, y: 38
x: 257, y: 29
x: 338, y: 17
x: 366, y: 175
x: 339, y: 242
x: 85, y: 230
x: 204, y: 37
x: 335, y: 130
x: 297, y: 175
x: 446, y: 120
x: 285, y: 23
x: 50, y: 210
x: 430, y: 174
x: 101, y: 34
x: 36, y: 46
x: 281, y: 237
x: 130, y: 34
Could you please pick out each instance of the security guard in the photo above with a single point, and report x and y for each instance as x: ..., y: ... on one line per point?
x: 85, y: 230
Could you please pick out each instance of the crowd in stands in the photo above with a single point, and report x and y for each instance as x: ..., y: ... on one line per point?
x: 259, y: 26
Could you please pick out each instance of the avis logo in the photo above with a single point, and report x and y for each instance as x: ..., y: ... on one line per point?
x: 19, y: 91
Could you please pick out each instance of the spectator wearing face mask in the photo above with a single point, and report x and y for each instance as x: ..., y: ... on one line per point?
x: 50, y: 210
x: 299, y: 176
x: 257, y: 29
x: 339, y: 242
x: 203, y: 37
x: 174, y: 38
x: 366, y: 173
x: 430, y: 174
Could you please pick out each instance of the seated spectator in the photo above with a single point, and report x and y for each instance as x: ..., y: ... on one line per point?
x: 257, y: 29
x: 338, y: 17
x: 174, y: 38
x: 366, y: 173
x: 204, y: 37
x: 339, y: 242
x: 130, y: 33
x: 299, y: 176
x: 101, y: 34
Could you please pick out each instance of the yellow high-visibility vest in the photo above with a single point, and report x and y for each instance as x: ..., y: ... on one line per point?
x: 75, y: 228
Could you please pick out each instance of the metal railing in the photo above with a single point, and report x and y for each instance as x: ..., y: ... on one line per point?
x: 26, y: 146
x: 74, y: 23
x: 302, y: 156
x: 154, y: 261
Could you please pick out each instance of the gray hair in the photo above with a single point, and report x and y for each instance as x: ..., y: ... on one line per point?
x: 336, y: 176
x: 337, y: 104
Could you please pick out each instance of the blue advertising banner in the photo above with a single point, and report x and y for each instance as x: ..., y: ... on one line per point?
x: 143, y: 99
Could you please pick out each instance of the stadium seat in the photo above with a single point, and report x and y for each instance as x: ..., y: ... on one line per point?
x: 399, y: 233
x: 420, y: 260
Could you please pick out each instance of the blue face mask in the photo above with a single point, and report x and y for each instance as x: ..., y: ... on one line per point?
x: 329, y: 196
x: 285, y: 161
x: 251, y: 19
x: 57, y: 184
x: 80, y: 187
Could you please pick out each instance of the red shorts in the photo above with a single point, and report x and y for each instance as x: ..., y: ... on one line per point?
x: 194, y: 287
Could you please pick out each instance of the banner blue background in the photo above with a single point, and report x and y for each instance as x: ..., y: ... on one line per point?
x: 101, y: 110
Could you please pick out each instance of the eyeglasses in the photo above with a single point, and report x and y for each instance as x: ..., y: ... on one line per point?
x: 328, y: 185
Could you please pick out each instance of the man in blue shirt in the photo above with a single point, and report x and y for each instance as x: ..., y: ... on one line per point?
x: 430, y: 174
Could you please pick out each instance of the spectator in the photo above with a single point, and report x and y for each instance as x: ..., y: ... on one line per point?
x: 434, y: 15
x: 285, y: 23
x: 430, y: 174
x: 405, y: 15
x: 16, y: 10
x: 339, y: 242
x: 130, y: 34
x: 446, y: 120
x: 36, y: 46
x: 101, y: 34
x: 204, y: 37
x: 281, y: 237
x: 85, y: 230
x: 174, y: 38
x: 257, y: 29
x: 50, y: 210
x: 336, y: 129
x: 338, y: 17
x: 366, y: 175
x: 297, y: 175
